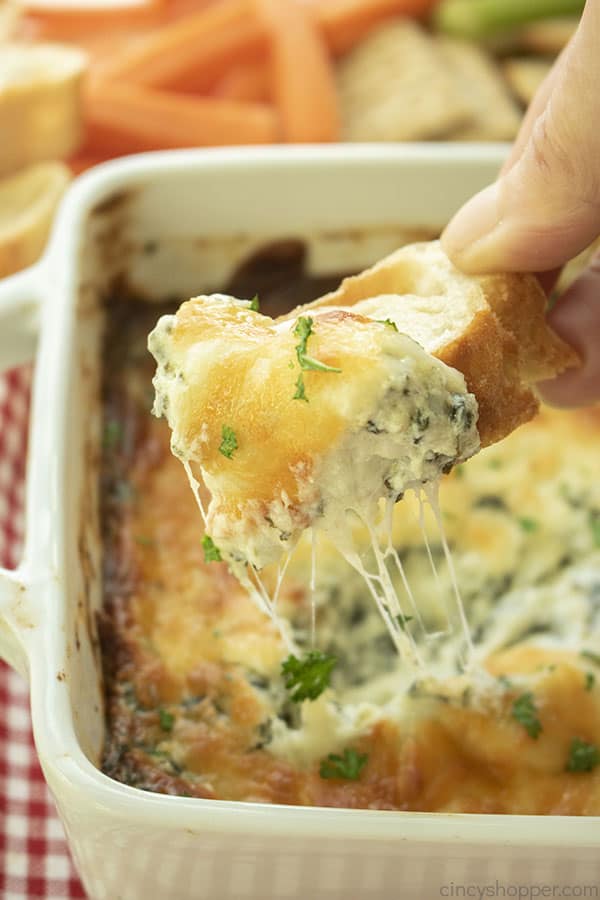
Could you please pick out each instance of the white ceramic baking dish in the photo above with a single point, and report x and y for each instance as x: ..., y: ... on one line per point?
x: 170, y: 223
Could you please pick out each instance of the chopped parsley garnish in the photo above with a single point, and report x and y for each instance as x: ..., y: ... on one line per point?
x: 211, y: 551
x: 590, y: 680
x: 595, y: 526
x: 307, y: 678
x: 113, y: 433
x: 303, y: 330
x: 495, y: 464
x: 528, y: 524
x: 255, y: 304
x: 144, y: 541
x: 525, y: 712
x: 166, y: 719
x: 348, y: 766
x: 403, y: 620
x: 300, y: 391
x: 583, y: 757
x: 388, y: 322
x: 593, y: 657
x: 229, y: 442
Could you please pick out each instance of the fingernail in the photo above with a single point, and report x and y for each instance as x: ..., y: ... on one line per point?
x: 467, y: 238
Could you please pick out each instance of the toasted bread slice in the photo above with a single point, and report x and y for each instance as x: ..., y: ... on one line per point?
x: 40, y: 108
x: 28, y: 201
x: 395, y: 87
x: 495, y: 115
x: 491, y: 328
x: 290, y: 424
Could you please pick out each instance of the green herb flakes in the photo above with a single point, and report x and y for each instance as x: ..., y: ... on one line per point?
x: 229, y: 442
x: 590, y: 680
x: 307, y: 678
x: 255, y: 304
x: 300, y: 390
x: 403, y: 620
x: 211, y: 551
x: 525, y: 712
x: 388, y: 322
x: 583, y: 757
x: 528, y: 525
x: 166, y: 719
x: 303, y: 330
x: 349, y: 765
x: 593, y: 657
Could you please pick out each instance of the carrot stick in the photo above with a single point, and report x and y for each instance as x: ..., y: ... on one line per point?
x: 245, y: 81
x: 84, y: 161
x: 303, y: 83
x: 345, y: 22
x: 88, y: 25
x: 65, y: 20
x: 123, y: 118
x: 198, y: 47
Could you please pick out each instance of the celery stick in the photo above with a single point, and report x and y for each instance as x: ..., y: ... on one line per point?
x: 484, y: 18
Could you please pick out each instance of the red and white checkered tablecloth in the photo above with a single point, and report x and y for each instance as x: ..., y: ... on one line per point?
x: 34, y: 859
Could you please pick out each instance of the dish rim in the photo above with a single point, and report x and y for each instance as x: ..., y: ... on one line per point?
x: 67, y: 768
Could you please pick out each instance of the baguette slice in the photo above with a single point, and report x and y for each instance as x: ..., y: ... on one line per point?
x: 495, y: 115
x: 28, y: 201
x: 382, y: 385
x: 491, y: 328
x: 395, y: 86
x: 40, y: 108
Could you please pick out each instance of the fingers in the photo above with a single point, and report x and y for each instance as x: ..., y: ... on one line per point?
x: 576, y: 317
x: 545, y: 207
x: 535, y: 109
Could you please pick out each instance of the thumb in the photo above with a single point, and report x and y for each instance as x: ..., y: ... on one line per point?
x: 545, y: 207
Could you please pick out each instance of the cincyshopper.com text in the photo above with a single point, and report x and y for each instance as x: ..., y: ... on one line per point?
x: 520, y: 891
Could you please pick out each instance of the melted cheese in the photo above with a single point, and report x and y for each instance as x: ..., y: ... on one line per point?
x: 385, y: 417
x: 522, y: 524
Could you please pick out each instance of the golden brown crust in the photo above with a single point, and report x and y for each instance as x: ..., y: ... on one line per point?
x: 520, y: 304
x: 488, y: 357
x: 500, y: 339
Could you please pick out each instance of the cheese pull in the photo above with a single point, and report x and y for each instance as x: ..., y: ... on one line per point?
x: 310, y: 420
x: 305, y: 422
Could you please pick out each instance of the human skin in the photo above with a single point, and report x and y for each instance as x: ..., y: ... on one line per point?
x: 545, y: 206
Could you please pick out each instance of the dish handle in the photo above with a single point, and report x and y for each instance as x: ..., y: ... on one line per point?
x: 20, y: 296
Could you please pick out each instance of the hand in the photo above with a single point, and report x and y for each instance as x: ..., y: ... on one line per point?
x: 545, y: 206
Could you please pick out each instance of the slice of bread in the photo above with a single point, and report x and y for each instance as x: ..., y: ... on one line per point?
x: 395, y: 86
x: 491, y: 328
x: 495, y: 115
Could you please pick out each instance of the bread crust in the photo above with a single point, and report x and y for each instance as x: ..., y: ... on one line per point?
x: 503, y: 347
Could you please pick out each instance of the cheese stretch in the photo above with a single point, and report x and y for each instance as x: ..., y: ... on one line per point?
x: 321, y: 422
